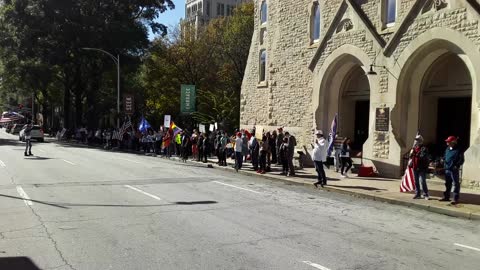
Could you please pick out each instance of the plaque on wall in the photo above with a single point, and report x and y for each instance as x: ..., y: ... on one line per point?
x: 382, y: 119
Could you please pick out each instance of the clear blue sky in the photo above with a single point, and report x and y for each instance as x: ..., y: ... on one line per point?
x: 170, y: 18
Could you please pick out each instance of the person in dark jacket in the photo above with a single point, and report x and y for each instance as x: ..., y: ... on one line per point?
x: 254, y: 152
x: 419, y: 164
x: 453, y: 161
x: 283, y: 155
x: 292, y: 143
x: 279, y: 142
x: 205, y: 148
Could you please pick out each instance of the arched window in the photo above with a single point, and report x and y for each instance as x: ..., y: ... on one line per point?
x: 263, y: 12
x: 263, y: 65
x: 390, y: 12
x: 316, y: 22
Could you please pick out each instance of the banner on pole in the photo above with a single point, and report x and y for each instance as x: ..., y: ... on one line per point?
x: 166, y: 121
x: 212, y: 127
x: 188, y: 98
x: 128, y: 103
x: 201, y: 128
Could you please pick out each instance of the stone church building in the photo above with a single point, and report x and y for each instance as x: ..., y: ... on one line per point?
x: 387, y: 68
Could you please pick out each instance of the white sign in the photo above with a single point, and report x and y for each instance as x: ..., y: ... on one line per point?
x: 201, y: 128
x: 166, y: 121
x: 212, y: 128
x: 216, y: 126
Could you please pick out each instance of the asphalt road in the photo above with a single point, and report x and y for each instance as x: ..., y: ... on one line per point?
x: 93, y: 209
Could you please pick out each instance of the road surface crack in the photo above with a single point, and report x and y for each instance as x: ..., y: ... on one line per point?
x: 50, y: 237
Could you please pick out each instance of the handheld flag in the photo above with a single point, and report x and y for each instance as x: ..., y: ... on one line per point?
x: 408, y: 181
x: 175, y: 129
x: 144, y: 125
x: 333, y: 134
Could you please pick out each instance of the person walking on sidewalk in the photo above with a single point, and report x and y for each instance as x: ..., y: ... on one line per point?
x: 292, y: 142
x: 419, y: 164
x: 320, y: 157
x: 222, y: 151
x: 346, y: 159
x: 238, y: 152
x: 453, y: 161
x: 28, y: 140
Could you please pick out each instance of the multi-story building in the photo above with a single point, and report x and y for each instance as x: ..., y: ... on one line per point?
x: 387, y: 68
x: 199, y: 12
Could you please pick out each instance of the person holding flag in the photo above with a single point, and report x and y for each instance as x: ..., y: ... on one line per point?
x: 419, y: 164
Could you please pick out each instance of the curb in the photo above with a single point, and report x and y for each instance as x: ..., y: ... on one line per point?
x: 300, y: 182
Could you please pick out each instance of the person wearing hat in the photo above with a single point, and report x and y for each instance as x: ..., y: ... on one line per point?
x: 453, y: 161
x: 319, y: 157
x: 419, y: 164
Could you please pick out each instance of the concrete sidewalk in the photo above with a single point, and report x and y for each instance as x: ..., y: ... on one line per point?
x: 379, y: 189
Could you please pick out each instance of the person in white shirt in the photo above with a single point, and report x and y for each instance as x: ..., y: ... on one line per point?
x: 319, y: 157
x: 238, y: 152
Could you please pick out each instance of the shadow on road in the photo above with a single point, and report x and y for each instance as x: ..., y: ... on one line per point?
x: 37, y: 158
x: 18, y: 263
x: 70, y: 205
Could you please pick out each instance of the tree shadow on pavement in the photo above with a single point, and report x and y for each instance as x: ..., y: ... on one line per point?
x: 18, y: 263
x: 10, y: 142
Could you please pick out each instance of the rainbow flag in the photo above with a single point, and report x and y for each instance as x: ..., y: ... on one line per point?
x: 175, y: 129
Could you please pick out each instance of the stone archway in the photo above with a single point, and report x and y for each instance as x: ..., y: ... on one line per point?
x: 422, y: 64
x: 445, y: 103
x: 344, y: 89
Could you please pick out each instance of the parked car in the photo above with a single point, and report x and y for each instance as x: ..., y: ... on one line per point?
x: 36, y: 133
x: 16, y: 128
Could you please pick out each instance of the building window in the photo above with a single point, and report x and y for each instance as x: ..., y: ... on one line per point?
x: 200, y: 5
x: 316, y: 22
x: 228, y: 10
x: 263, y: 12
x: 390, y: 13
x: 208, y: 8
x: 220, y: 9
x: 263, y: 65
x: 263, y: 35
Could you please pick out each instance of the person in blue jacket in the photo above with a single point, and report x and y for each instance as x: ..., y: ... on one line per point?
x: 453, y: 161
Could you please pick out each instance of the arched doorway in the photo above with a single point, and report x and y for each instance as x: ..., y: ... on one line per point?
x: 446, y: 101
x: 354, y: 107
x: 345, y: 91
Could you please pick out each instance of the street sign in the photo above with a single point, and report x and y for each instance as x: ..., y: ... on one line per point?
x: 188, y: 98
x: 128, y: 104
x: 166, y: 121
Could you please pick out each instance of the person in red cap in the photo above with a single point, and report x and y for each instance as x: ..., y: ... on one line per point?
x: 453, y: 161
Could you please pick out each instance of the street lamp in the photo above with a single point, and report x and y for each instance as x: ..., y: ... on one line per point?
x: 117, y: 61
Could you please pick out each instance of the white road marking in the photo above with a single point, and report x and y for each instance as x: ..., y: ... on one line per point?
x: 66, y: 161
x: 318, y: 266
x: 129, y: 160
x: 2, y: 164
x: 464, y: 246
x: 228, y: 185
x: 143, y: 192
x: 24, y: 195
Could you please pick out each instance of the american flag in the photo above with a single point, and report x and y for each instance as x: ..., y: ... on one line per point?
x: 118, y: 135
x: 408, y: 181
x: 10, y: 116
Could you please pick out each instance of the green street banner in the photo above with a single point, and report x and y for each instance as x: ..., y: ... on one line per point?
x: 188, y: 98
